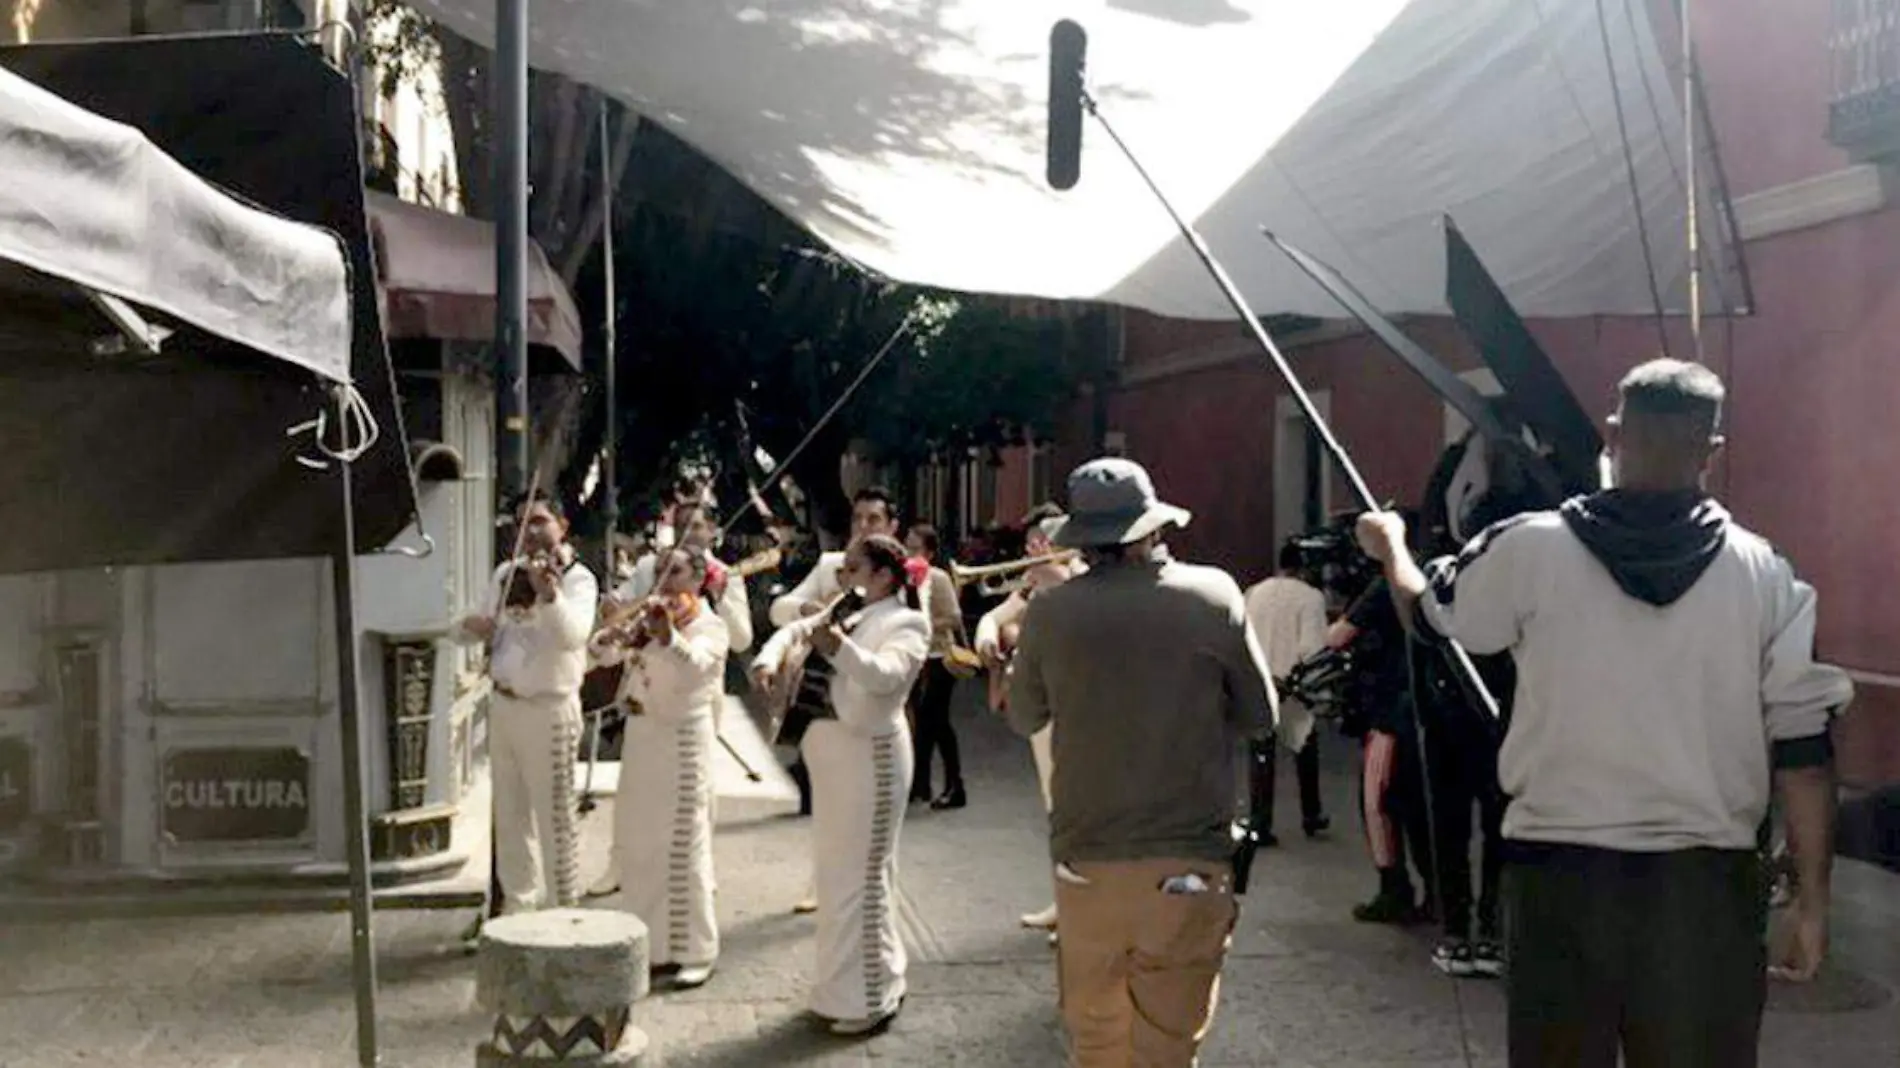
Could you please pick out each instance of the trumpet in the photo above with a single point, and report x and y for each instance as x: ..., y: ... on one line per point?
x: 995, y: 580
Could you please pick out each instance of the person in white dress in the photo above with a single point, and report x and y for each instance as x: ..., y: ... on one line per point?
x: 873, y: 511
x: 698, y: 529
x: 675, y: 654
x: 861, y: 764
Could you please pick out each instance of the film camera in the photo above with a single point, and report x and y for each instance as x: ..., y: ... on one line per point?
x: 1330, y: 559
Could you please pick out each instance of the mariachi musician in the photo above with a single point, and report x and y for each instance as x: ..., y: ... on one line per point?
x: 698, y: 528
x: 873, y: 511
x: 674, y: 649
x: 872, y: 641
x: 536, y: 635
x: 996, y: 640
x: 725, y: 590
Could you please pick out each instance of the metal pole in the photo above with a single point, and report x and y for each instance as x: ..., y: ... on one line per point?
x: 511, y: 241
x: 355, y: 803
x: 785, y: 465
x: 609, y: 478
x: 1347, y: 469
x: 1690, y: 192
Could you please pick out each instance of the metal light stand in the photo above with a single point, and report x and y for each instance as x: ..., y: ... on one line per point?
x: 355, y: 803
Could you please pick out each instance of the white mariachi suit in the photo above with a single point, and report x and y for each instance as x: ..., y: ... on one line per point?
x: 861, y: 764
x: 663, y: 824
x: 734, y: 609
x: 537, y: 659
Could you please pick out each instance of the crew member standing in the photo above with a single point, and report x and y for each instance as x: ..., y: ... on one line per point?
x: 860, y: 757
x: 1152, y: 679
x: 537, y: 640
x: 1289, y: 619
x: 1666, y: 677
x: 675, y: 651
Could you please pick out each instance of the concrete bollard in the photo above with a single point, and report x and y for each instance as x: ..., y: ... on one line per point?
x: 562, y: 984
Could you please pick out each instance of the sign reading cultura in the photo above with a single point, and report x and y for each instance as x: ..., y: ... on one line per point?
x: 236, y: 795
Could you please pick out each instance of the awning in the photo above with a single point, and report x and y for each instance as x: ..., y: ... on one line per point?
x: 438, y: 279
x: 122, y: 459
x: 910, y: 137
x: 95, y: 203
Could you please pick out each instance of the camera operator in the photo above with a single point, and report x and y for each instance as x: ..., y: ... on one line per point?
x: 1486, y: 485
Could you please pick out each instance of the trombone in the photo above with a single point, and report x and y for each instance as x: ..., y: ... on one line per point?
x: 1001, y: 580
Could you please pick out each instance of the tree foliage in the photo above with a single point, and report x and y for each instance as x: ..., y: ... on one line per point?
x: 735, y: 330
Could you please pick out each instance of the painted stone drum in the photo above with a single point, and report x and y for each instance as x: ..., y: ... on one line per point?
x: 561, y: 984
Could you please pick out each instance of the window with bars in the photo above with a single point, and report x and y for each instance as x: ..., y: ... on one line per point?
x: 1864, y: 44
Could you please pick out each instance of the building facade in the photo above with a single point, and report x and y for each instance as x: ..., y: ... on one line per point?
x: 181, y: 722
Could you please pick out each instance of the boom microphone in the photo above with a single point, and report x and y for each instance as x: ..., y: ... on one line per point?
x: 1068, y: 51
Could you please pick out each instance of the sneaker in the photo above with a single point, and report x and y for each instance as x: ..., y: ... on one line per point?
x: 1045, y: 920
x: 1455, y: 957
x: 691, y: 976
x: 805, y: 906
x: 1487, y: 958
x: 608, y: 883
x: 1317, y: 826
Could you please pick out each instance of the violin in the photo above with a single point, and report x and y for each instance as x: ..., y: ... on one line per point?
x: 521, y: 586
x: 636, y: 632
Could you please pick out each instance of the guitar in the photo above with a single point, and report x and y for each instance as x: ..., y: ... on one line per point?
x: 800, y: 693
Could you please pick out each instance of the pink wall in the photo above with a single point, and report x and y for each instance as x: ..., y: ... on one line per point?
x: 1769, y: 77
x: 1814, y: 419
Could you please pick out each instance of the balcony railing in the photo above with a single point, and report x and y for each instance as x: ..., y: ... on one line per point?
x: 1864, y: 114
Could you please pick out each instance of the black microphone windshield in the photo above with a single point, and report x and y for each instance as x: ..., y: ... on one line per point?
x: 1068, y: 52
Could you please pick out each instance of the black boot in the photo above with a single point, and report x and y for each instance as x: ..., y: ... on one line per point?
x: 802, y: 779
x: 1393, y: 904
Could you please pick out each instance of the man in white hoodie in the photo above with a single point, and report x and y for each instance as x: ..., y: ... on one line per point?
x: 1666, y: 678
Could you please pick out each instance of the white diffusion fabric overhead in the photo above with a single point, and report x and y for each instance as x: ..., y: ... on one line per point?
x: 909, y: 136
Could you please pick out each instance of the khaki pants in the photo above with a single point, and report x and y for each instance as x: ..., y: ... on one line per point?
x: 1139, y: 968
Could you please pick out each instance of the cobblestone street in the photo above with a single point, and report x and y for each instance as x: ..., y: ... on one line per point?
x: 1305, y: 985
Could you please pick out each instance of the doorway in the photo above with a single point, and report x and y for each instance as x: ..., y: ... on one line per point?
x: 1302, y: 472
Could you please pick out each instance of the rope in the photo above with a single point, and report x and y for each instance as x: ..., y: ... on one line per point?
x: 357, y: 430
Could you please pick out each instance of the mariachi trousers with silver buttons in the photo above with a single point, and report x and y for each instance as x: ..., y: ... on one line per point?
x: 865, y: 781
x: 532, y: 746
x: 663, y: 822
